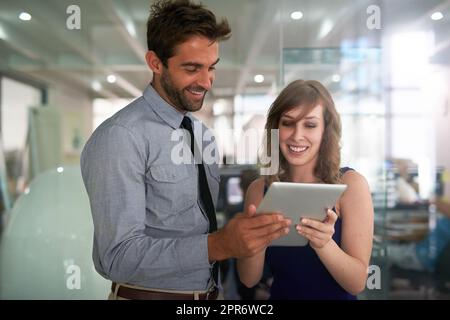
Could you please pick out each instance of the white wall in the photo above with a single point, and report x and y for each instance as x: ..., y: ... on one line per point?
x: 77, y: 115
x: 17, y: 98
x: 106, y: 108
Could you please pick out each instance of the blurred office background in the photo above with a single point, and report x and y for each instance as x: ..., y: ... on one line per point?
x: 66, y: 66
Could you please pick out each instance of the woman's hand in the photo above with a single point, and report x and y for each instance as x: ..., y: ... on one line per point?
x: 318, y: 233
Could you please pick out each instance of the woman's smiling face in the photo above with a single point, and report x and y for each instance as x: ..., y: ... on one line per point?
x: 300, y: 140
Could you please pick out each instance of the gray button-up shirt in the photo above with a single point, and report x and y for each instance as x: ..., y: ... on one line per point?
x: 149, y: 225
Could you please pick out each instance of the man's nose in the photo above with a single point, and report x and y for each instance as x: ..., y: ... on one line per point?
x: 205, y: 80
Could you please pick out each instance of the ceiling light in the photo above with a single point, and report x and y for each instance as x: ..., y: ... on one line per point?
x: 259, y: 78
x: 111, y: 78
x: 325, y: 28
x: 25, y: 16
x: 296, y: 15
x: 131, y: 29
x: 336, y: 78
x: 437, y: 16
x: 221, y: 107
x: 3, y: 33
x: 97, y: 86
x: 60, y: 169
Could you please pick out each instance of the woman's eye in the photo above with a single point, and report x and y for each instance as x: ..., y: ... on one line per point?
x: 286, y: 123
x: 310, y: 125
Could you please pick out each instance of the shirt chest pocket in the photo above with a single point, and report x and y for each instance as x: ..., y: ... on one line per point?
x: 171, y: 189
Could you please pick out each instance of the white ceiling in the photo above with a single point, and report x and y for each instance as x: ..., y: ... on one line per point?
x: 44, y: 49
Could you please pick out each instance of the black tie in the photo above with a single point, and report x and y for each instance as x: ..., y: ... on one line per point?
x: 205, y: 195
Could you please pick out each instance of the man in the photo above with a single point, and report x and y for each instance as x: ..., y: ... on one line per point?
x: 154, y: 220
x: 425, y: 255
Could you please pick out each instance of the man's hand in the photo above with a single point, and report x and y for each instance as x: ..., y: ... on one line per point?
x: 246, y: 234
x: 442, y: 206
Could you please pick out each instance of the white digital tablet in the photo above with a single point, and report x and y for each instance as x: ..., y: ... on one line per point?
x: 299, y: 200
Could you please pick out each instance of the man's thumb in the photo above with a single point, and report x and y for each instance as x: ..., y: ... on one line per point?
x: 251, y: 211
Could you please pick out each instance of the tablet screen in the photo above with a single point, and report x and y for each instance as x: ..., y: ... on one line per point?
x: 299, y: 200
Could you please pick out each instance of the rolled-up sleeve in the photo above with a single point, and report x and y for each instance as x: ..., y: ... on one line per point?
x: 113, y: 165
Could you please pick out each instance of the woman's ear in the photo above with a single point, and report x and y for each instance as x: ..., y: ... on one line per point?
x: 153, y: 62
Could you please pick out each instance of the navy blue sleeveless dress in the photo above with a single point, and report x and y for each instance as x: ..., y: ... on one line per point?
x: 298, y: 273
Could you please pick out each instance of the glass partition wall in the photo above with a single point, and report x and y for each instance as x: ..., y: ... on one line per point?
x: 354, y: 78
x: 390, y: 83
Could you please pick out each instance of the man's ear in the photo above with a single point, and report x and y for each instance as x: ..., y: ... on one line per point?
x: 153, y: 62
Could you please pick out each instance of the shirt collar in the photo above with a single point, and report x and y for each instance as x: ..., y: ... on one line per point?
x: 164, y: 110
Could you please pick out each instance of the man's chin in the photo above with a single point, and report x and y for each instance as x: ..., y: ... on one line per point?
x: 195, y: 106
x: 190, y: 108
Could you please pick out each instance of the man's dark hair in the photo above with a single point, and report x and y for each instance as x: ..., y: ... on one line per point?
x: 172, y: 22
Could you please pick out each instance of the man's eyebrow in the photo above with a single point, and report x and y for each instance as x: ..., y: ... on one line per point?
x: 196, y: 64
x: 192, y: 64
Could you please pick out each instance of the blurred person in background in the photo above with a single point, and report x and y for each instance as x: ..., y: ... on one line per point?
x: 424, y: 255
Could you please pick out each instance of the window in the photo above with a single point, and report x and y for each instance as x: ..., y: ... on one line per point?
x: 15, y: 101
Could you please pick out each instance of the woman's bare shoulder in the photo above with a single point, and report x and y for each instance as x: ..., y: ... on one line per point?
x: 357, y: 193
x: 353, y: 178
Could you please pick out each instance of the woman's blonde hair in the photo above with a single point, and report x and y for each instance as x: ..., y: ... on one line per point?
x: 308, y: 94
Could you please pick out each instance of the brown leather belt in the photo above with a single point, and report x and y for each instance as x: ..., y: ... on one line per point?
x: 137, y: 294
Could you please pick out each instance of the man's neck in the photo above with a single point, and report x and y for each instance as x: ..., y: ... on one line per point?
x: 164, y: 96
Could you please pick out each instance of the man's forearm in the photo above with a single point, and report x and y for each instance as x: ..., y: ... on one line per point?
x: 216, y: 250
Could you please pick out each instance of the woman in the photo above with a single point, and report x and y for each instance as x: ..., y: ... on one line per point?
x: 334, y: 264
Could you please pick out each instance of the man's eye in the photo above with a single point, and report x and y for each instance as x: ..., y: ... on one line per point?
x: 191, y: 68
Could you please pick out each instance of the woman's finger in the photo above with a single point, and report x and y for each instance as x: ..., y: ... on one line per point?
x: 304, y: 230
x: 331, y: 217
x: 313, y: 224
x: 321, y: 227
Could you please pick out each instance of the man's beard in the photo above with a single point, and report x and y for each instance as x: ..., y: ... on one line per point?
x: 177, y: 97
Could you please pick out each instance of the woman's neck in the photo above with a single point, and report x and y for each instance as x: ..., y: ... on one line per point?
x: 301, y: 175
